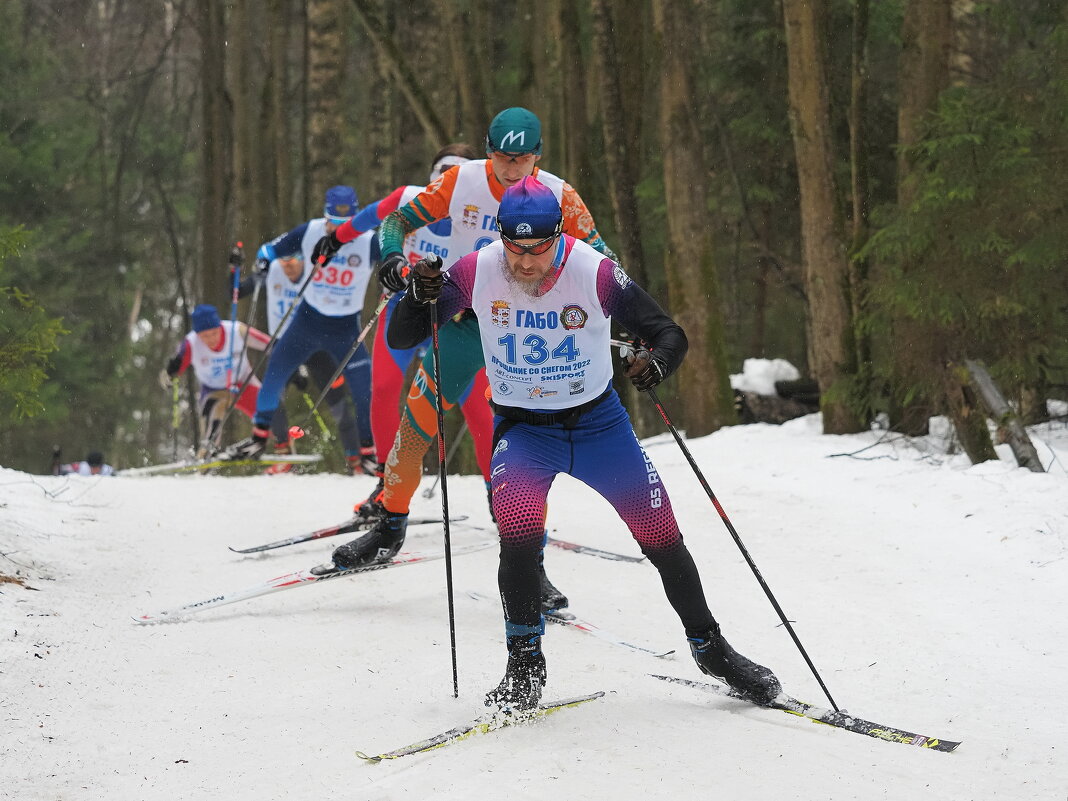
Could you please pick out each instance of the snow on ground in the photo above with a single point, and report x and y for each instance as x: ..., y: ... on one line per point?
x: 932, y: 595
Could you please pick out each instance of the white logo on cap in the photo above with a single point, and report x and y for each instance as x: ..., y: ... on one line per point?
x: 513, y: 138
x: 523, y: 229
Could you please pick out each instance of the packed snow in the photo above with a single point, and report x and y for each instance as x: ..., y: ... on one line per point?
x: 931, y: 594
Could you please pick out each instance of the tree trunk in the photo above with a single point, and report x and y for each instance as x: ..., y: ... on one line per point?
x: 571, y: 125
x: 211, y: 279
x: 968, y: 420
x: 467, y: 77
x: 859, y: 174
x: 407, y: 82
x: 926, y: 45
x: 325, y: 37
x: 823, y: 245
x: 620, y: 152
x: 1004, y: 417
x: 279, y: 111
x: 691, y: 272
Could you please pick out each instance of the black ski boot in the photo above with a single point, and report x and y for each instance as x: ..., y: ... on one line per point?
x: 380, y: 544
x: 716, y: 658
x: 524, y: 678
x: 552, y: 600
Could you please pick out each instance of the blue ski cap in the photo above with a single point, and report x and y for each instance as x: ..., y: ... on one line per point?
x: 529, y: 210
x: 514, y: 130
x: 205, y: 316
x: 341, y: 203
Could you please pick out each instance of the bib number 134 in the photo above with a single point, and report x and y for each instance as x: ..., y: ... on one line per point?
x: 537, y: 349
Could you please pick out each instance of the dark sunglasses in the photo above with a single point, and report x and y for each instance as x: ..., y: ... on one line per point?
x: 536, y: 249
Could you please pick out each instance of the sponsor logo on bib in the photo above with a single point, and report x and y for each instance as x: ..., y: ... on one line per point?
x: 500, y: 313
x: 573, y: 317
x: 470, y: 218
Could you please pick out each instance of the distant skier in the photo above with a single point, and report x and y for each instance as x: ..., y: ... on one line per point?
x: 93, y: 465
x: 328, y: 319
x: 544, y: 303
x: 282, y: 278
x: 207, y: 350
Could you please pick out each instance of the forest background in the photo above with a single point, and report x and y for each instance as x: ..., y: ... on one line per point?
x: 875, y: 190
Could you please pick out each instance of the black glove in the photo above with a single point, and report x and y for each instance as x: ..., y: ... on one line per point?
x: 393, y: 272
x: 299, y: 379
x: 645, y: 370
x: 427, y: 279
x: 325, y: 249
x: 262, y: 266
x: 174, y: 365
x: 237, y: 256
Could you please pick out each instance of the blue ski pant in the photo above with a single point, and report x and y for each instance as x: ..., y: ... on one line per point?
x: 308, y: 333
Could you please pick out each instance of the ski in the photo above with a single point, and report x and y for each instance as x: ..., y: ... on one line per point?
x: 481, y: 725
x: 349, y: 526
x: 586, y: 549
x: 564, y: 618
x: 196, y: 465
x: 829, y: 717
x: 303, y: 578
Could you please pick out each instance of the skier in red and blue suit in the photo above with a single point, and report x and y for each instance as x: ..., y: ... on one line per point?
x: 327, y: 319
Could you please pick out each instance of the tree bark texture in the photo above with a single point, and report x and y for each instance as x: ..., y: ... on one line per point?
x: 926, y: 47
x: 406, y: 81
x: 468, y: 71
x: 693, y: 286
x: 823, y: 245
x: 621, y: 152
x: 962, y: 406
x: 325, y: 40
x: 1005, y: 417
x: 211, y: 281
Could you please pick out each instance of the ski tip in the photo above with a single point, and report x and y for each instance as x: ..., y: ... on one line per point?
x: 373, y: 759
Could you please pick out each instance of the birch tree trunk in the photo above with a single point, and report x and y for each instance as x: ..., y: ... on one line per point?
x: 823, y: 242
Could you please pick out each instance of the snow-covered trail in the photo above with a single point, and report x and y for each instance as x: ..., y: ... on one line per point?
x: 932, y: 596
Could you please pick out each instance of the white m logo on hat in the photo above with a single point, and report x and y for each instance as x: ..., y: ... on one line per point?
x: 513, y: 138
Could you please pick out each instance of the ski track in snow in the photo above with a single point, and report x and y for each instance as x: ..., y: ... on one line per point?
x: 932, y: 595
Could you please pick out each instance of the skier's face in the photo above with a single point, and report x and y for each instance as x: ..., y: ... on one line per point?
x: 211, y: 337
x: 529, y: 269
x: 293, y: 267
x: 511, y: 168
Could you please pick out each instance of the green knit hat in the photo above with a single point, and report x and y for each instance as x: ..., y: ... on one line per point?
x: 514, y: 130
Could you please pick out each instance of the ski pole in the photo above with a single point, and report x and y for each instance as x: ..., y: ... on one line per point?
x: 323, y: 429
x: 176, y: 418
x: 253, y: 308
x: 235, y: 260
x: 444, y: 486
x: 455, y: 446
x: 733, y: 532
x: 297, y: 431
